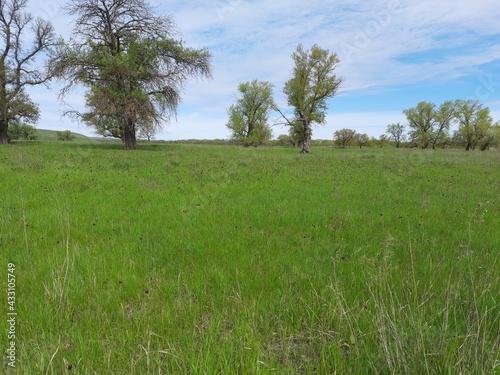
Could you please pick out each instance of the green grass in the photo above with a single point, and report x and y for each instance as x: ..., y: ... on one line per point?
x: 255, y: 261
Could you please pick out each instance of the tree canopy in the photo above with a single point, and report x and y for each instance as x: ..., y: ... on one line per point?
x: 421, y: 120
x: 313, y: 82
x: 18, y: 55
x: 396, y: 133
x: 344, y: 137
x: 131, y: 64
x: 248, y: 118
x: 474, y: 124
x: 431, y: 125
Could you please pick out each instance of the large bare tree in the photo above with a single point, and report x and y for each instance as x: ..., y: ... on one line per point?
x: 128, y: 59
x: 19, y: 65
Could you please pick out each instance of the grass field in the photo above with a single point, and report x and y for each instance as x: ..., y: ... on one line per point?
x: 178, y: 259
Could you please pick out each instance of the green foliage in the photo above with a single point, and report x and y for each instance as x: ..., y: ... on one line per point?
x: 313, y: 82
x: 430, y: 126
x: 382, y: 141
x: 284, y: 140
x: 396, y: 133
x: 474, y: 124
x: 421, y: 120
x: 297, y: 133
x: 25, y: 132
x: 65, y: 136
x: 348, y: 137
x: 21, y: 107
x: 254, y: 260
x: 248, y: 118
x: 23, y: 39
x: 444, y: 116
x: 361, y: 139
x: 130, y: 63
x: 492, y: 138
x: 344, y: 137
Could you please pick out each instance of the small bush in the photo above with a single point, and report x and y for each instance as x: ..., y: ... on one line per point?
x: 65, y: 136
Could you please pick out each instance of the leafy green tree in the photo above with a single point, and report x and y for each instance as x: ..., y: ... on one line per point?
x: 429, y: 125
x: 17, y: 58
x: 129, y: 61
x: 383, y: 140
x: 361, y: 139
x: 248, y: 118
x: 491, y: 139
x: 344, y: 137
x: 396, y: 133
x: 421, y: 120
x: 65, y: 136
x: 313, y: 82
x: 20, y: 131
x: 494, y: 137
x: 474, y: 122
x: 284, y: 140
x: 443, y: 117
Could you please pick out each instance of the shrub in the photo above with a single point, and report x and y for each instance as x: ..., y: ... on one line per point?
x: 22, y: 132
x: 65, y: 136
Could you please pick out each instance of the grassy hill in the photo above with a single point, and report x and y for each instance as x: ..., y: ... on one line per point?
x: 51, y: 135
x: 190, y: 259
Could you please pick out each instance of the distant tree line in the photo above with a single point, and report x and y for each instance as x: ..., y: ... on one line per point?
x: 429, y: 126
x: 133, y: 67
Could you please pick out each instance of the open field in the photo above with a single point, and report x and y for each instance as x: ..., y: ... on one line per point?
x: 178, y: 259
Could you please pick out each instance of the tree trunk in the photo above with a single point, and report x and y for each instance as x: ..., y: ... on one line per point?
x: 306, y: 145
x: 129, y: 138
x: 249, y: 135
x: 4, y: 137
x: 436, y: 138
x: 4, y: 122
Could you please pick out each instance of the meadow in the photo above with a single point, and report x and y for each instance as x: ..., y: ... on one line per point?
x: 191, y: 259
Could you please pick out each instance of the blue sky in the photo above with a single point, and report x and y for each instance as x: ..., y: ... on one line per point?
x: 394, y: 53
